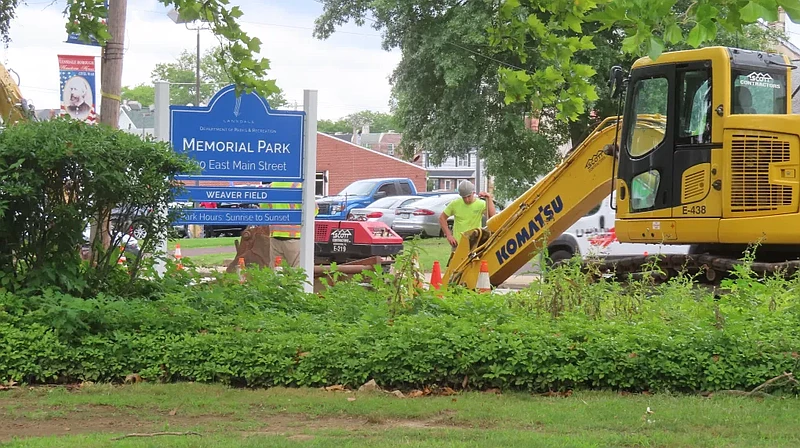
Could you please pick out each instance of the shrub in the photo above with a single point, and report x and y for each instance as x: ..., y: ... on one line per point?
x: 56, y: 176
x: 269, y: 332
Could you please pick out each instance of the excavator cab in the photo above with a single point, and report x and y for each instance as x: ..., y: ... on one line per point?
x: 708, y: 150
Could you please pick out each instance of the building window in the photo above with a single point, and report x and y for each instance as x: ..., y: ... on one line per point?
x: 448, y: 184
x: 463, y: 160
x: 322, y: 184
x: 391, y: 149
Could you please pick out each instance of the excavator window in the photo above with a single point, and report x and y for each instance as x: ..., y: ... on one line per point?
x: 650, y: 99
x: 758, y: 92
x: 694, y: 107
x: 643, y: 190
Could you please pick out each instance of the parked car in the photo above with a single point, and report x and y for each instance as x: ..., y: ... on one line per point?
x: 382, y: 210
x: 422, y: 217
x: 135, y: 222
x: 214, y: 230
x: 361, y: 193
x: 128, y: 243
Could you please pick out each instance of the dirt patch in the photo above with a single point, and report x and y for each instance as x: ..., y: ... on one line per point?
x: 54, y: 421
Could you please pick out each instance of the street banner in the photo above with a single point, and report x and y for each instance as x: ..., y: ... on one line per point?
x: 77, y: 87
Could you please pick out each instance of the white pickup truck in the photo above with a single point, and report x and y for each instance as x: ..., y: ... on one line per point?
x: 593, y: 236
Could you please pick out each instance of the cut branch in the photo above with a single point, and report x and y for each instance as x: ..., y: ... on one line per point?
x: 153, y: 434
x: 786, y: 375
x: 787, y: 378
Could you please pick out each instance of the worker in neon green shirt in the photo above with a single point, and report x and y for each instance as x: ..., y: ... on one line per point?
x: 284, y: 239
x: 468, y: 211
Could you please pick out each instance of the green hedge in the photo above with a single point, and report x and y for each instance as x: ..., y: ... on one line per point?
x: 268, y: 332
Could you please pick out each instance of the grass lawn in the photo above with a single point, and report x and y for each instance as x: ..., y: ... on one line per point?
x: 200, y: 243
x: 91, y: 416
x: 431, y: 249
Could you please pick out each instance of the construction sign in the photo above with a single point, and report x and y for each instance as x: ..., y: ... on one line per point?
x: 78, y: 87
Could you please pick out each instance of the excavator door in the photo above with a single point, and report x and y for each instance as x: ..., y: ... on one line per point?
x: 665, y: 155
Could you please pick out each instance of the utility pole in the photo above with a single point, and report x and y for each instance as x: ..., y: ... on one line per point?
x: 111, y: 80
x: 111, y: 64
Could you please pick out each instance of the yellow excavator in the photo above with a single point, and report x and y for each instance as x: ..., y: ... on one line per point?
x: 705, y: 152
x: 13, y: 107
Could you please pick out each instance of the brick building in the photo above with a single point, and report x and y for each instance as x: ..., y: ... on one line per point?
x: 340, y: 162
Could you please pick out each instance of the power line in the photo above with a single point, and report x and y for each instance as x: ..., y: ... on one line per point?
x: 272, y: 24
x: 489, y: 57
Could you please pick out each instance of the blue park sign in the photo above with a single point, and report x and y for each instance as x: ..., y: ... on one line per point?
x: 239, y: 139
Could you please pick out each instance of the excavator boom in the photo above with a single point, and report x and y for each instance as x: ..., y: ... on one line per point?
x: 513, y: 236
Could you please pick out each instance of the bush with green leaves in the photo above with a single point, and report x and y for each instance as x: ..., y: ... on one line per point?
x: 555, y: 335
x: 58, y: 175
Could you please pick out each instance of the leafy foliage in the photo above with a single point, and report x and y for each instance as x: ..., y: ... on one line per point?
x: 238, y: 49
x: 144, y: 94
x: 213, y: 76
x: 59, y: 174
x: 564, y: 333
x: 557, y: 30
x: 182, y: 72
x: 377, y: 122
x: 449, y: 99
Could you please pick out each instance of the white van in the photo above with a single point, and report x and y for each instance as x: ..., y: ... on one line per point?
x: 593, y: 236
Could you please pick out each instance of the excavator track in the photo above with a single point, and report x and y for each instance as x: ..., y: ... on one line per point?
x: 712, y: 267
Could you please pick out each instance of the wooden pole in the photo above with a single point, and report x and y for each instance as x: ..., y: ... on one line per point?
x: 111, y: 79
x: 111, y: 64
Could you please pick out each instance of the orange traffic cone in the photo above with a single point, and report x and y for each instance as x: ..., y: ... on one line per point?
x: 483, y: 278
x: 240, y: 270
x: 278, y: 267
x: 178, y: 256
x: 436, y: 275
x: 122, y: 259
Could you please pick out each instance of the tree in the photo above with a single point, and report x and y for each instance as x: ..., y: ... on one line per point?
x: 330, y: 126
x: 377, y: 121
x: 448, y: 95
x: 237, y: 48
x: 182, y: 71
x: 143, y: 93
x: 559, y: 32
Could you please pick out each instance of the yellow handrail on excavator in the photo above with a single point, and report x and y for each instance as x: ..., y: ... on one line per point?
x: 512, y: 237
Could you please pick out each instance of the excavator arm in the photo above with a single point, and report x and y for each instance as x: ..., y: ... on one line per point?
x: 13, y: 107
x: 512, y: 237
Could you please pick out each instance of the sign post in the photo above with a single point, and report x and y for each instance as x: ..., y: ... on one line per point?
x: 309, y: 187
x: 161, y: 131
x: 243, y: 139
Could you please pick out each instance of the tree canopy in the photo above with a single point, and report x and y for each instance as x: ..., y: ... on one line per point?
x: 182, y: 71
x: 449, y: 97
x: 558, y: 30
x: 377, y: 122
x: 239, y: 51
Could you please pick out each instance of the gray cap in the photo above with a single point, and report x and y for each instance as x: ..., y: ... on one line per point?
x: 466, y: 188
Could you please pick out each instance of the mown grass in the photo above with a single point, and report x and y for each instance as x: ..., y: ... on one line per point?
x: 431, y: 249
x: 287, y: 417
x: 197, y: 243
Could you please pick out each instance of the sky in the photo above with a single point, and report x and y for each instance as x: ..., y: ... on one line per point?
x: 349, y: 70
